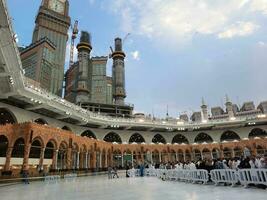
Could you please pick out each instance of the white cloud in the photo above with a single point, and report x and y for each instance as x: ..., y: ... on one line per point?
x: 239, y: 29
x: 135, y: 55
x: 179, y: 20
x: 261, y: 44
x: 259, y: 5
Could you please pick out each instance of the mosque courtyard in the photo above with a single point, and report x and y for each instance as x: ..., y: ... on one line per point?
x: 147, y: 188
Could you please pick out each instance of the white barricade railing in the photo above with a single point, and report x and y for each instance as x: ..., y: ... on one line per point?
x: 244, y: 176
x: 253, y: 176
x: 224, y: 176
x: 70, y: 176
x: 200, y: 175
x: 52, y: 178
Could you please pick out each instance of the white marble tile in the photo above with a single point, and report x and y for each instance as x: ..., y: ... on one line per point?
x: 100, y: 188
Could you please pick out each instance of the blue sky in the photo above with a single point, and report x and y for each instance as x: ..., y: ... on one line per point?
x: 178, y: 51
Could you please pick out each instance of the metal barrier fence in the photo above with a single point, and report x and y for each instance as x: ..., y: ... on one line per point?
x: 52, y: 178
x: 70, y: 176
x: 217, y: 176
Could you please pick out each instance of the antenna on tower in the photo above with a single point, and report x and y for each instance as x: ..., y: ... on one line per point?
x: 75, y: 32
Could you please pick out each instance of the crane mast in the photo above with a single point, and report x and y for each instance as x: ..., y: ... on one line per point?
x: 75, y: 32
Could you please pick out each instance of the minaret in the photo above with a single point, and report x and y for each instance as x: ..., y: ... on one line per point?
x: 84, y: 49
x: 204, y: 111
x: 229, y: 107
x: 118, y: 73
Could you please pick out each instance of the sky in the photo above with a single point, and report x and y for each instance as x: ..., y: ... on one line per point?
x: 178, y: 51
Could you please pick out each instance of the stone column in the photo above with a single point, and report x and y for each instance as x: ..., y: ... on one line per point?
x: 89, y: 160
x: 78, y: 160
x: 233, y: 153
x: 184, y: 154
x: 100, y: 159
x: 122, y: 161
x: 201, y: 154
x: 86, y: 161
x: 27, y: 149
x: 54, y: 159
x: 132, y: 160
x: 176, y: 156
x: 160, y: 157
x: 69, y: 158
x: 106, y: 160
x: 41, y: 161
x: 151, y: 157
x: 8, y: 158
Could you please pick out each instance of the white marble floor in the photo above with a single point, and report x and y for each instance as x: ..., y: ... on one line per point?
x: 100, y: 188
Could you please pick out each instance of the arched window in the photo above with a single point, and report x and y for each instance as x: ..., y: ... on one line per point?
x: 203, y: 137
x: 88, y: 134
x: 137, y: 138
x: 40, y: 121
x: 179, y: 139
x: 49, y: 150
x: 3, y: 145
x: 18, y: 149
x: 35, y: 151
x: 257, y: 132
x: 159, y: 139
x: 113, y: 137
x: 7, y: 117
x: 229, y: 136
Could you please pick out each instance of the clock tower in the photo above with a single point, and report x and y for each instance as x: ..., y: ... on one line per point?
x: 53, y: 22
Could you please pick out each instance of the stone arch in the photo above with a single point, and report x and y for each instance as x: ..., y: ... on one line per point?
x: 41, y: 121
x: 229, y: 136
x: 180, y: 155
x: 158, y: 138
x: 62, y: 155
x: 66, y: 128
x: 137, y: 138
x: 203, y: 137
x: 113, y: 137
x: 188, y: 156
x: 89, y: 134
x: 35, y: 150
x: 197, y: 154
x: 238, y: 151
x: 260, y: 150
x: 7, y: 117
x: 206, y: 153
x: 49, y: 149
x: 180, y: 139
x: 227, y: 152
x: 257, y: 132
x: 18, y: 148
x: 216, y: 153
x: 3, y: 145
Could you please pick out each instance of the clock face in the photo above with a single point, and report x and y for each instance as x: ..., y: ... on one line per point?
x: 57, y: 6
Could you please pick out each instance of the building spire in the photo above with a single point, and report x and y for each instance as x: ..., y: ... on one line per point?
x: 227, y: 98
x: 203, y: 101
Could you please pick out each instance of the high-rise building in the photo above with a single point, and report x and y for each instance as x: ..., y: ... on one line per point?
x: 38, y: 61
x: 53, y: 22
x: 99, y: 80
x: 71, y: 79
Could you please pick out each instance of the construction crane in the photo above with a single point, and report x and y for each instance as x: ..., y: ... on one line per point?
x: 75, y: 32
x: 124, y: 39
